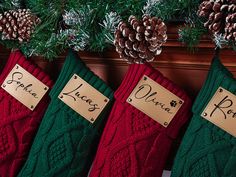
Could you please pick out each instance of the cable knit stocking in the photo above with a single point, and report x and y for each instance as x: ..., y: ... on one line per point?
x: 18, y: 124
x: 66, y: 142
x: 206, y: 150
x: 133, y: 144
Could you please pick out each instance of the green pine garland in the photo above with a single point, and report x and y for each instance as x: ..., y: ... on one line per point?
x: 90, y: 24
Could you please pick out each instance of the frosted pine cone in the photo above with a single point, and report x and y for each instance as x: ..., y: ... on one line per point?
x: 17, y: 24
x: 140, y: 40
x: 230, y: 27
x: 215, y: 12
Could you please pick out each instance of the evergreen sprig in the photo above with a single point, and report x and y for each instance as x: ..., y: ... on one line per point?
x: 90, y: 24
x: 12, y: 4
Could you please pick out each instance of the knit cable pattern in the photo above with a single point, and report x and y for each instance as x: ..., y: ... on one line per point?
x: 18, y: 124
x: 133, y: 144
x: 207, y: 150
x: 66, y: 142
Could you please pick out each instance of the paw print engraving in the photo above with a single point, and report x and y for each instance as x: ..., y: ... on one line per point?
x: 173, y: 103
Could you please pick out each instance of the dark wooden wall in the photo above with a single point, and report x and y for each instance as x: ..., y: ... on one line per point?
x: 187, y: 69
x: 176, y: 62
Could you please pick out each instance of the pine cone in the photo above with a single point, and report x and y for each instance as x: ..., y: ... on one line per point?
x: 231, y: 6
x: 215, y: 11
x: 17, y: 24
x: 140, y: 40
x: 230, y: 25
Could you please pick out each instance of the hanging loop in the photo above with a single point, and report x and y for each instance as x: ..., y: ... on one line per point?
x: 217, y: 51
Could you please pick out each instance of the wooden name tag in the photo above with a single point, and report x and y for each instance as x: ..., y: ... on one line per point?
x: 155, y: 101
x: 83, y: 98
x: 24, y: 87
x: 221, y: 110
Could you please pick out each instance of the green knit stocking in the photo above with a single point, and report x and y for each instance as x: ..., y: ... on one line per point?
x: 66, y: 143
x: 206, y: 150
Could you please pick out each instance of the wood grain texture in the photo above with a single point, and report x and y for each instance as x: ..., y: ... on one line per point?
x: 175, y: 62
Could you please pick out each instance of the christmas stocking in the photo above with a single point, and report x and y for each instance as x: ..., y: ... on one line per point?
x: 206, y: 149
x: 133, y: 144
x: 66, y: 142
x: 18, y: 124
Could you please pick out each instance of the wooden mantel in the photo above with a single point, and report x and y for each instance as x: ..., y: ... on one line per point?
x: 176, y: 62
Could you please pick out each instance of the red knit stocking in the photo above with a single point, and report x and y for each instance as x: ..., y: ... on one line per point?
x: 133, y: 144
x: 18, y: 124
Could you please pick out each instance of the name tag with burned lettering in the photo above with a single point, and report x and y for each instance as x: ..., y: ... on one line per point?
x: 24, y: 87
x: 83, y: 98
x: 155, y: 101
x: 221, y: 110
